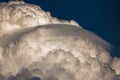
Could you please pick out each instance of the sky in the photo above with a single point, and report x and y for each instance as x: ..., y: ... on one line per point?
x: 99, y: 16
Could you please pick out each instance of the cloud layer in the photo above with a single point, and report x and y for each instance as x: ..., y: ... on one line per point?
x: 36, y: 46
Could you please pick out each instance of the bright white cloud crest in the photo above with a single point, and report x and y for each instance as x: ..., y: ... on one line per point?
x: 36, y: 46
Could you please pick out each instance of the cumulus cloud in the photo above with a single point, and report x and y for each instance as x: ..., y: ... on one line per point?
x: 36, y: 46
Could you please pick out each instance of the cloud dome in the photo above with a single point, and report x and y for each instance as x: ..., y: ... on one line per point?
x: 36, y: 46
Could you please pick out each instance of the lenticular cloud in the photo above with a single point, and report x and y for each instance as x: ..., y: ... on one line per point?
x: 36, y: 46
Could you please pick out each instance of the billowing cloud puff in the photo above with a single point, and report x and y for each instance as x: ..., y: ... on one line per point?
x: 36, y: 46
x: 19, y: 14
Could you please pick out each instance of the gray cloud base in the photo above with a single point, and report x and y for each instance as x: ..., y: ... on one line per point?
x: 54, y: 50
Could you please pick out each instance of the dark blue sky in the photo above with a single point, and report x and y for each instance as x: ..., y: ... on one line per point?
x: 99, y: 16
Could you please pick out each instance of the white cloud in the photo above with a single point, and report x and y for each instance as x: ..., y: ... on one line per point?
x: 34, y: 45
